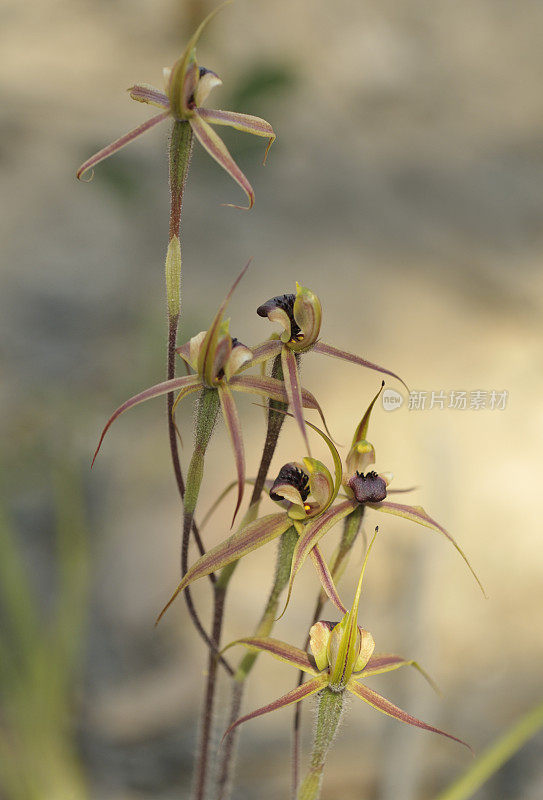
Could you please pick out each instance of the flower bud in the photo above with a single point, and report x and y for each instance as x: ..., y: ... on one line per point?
x: 173, y: 276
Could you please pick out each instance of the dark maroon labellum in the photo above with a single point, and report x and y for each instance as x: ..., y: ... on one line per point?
x: 293, y: 476
x: 369, y: 488
x: 286, y: 302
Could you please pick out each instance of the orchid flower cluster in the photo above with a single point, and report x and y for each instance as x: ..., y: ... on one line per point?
x: 311, y: 498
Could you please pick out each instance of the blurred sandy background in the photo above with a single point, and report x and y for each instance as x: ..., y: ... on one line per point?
x: 405, y: 189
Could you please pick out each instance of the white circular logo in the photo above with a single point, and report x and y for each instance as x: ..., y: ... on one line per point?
x: 391, y: 399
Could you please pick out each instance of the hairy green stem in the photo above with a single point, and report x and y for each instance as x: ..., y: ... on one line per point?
x: 351, y: 529
x: 328, y: 717
x: 287, y: 544
x: 181, y: 141
x: 179, y: 161
x: 206, y: 417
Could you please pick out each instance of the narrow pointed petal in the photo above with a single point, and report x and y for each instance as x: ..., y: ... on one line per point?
x: 386, y: 707
x: 362, y: 452
x: 186, y: 385
x: 280, y: 650
x: 264, y: 352
x: 206, y: 354
x: 241, y: 122
x: 418, y: 514
x: 183, y: 392
x: 144, y: 93
x: 248, y: 538
x: 325, y: 577
x: 275, y: 390
x: 300, y: 693
x: 328, y: 350
x: 312, y: 534
x: 361, y: 432
x: 294, y: 390
x: 177, y: 79
x: 338, y: 470
x: 217, y: 149
x: 91, y: 162
x: 233, y: 426
x: 387, y: 663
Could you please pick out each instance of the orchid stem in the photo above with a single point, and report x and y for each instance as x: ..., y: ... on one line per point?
x: 206, y: 417
x: 179, y: 161
x: 351, y: 529
x: 180, y: 153
x: 209, y: 698
x: 284, y: 559
x: 328, y: 717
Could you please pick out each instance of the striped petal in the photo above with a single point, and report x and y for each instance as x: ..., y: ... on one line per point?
x: 248, y: 538
x: 275, y: 390
x: 233, y: 426
x: 312, y: 534
x: 386, y: 707
x: 217, y: 149
x: 328, y: 350
x: 300, y: 693
x: 387, y: 663
x: 241, y: 122
x: 325, y: 577
x: 418, y: 514
x: 291, y: 378
x: 144, y: 93
x: 280, y: 650
x: 264, y: 352
x: 91, y: 162
x: 186, y: 385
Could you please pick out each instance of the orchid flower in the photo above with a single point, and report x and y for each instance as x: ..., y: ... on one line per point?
x: 341, y: 656
x: 306, y: 491
x: 300, y: 316
x: 187, y: 86
x: 217, y: 358
x: 369, y: 490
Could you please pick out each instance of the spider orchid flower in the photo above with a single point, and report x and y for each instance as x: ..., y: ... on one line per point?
x: 341, y: 656
x: 217, y: 358
x: 187, y: 86
x: 300, y: 316
x: 370, y: 490
x: 306, y: 491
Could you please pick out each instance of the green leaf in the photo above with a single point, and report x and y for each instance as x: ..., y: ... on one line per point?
x: 495, y: 756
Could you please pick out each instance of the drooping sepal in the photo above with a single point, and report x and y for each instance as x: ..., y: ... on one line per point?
x: 295, y: 696
x: 280, y: 650
x: 419, y: 515
x: 247, y: 539
x: 386, y: 707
